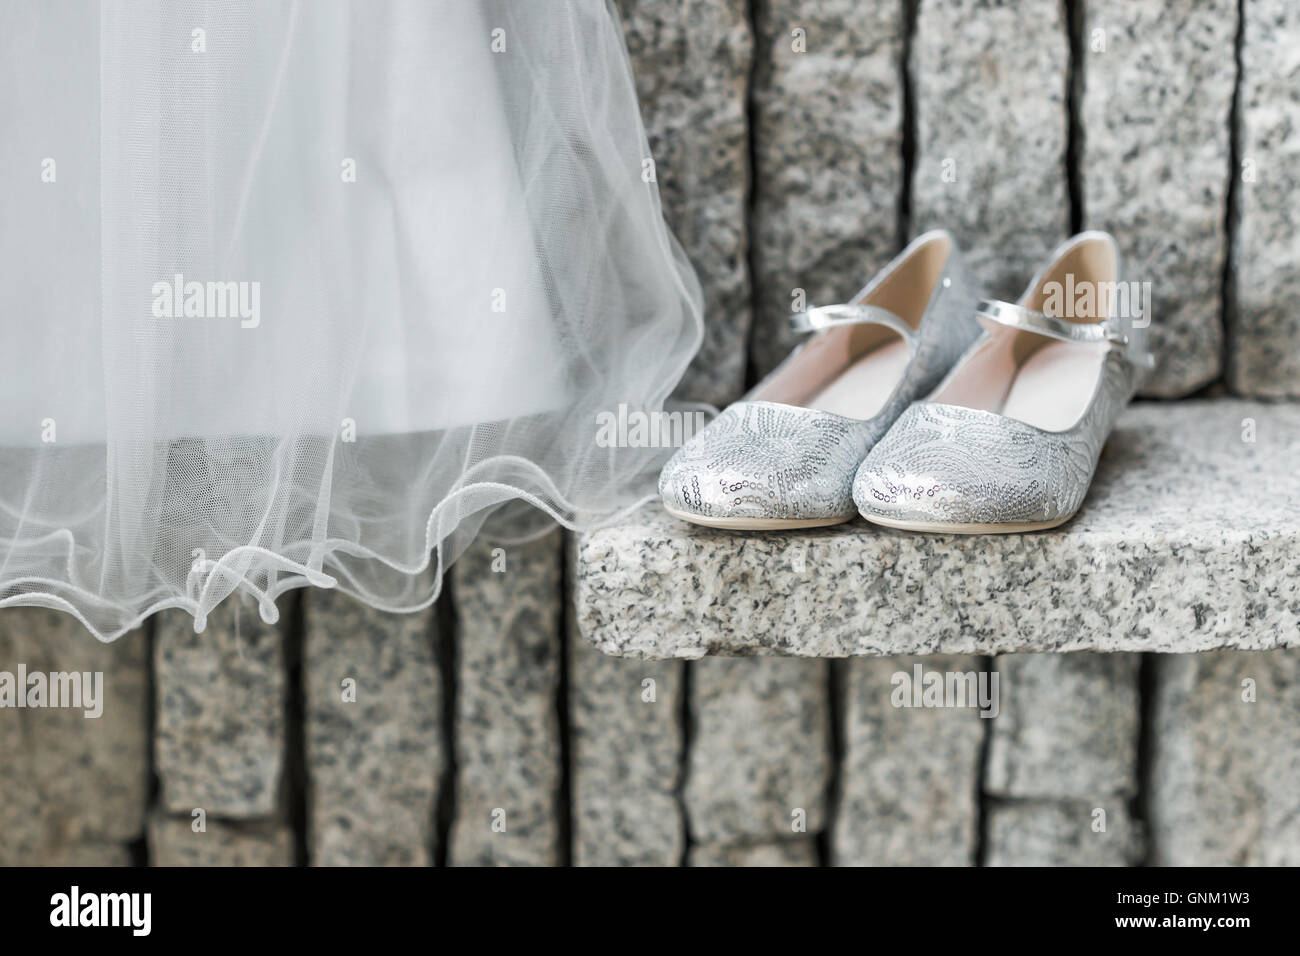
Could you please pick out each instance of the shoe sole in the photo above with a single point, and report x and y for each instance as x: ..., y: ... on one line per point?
x: 945, y: 527
x: 757, y: 524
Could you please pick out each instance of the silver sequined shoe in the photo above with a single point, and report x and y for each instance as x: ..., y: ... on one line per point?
x: 785, y: 455
x: 1010, y: 439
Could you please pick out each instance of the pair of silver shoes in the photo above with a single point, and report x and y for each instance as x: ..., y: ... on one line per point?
x: 924, y: 406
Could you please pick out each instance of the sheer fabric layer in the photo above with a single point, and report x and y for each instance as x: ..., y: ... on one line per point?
x: 302, y: 293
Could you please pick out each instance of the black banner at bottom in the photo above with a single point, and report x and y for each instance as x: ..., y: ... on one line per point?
x: 214, y: 907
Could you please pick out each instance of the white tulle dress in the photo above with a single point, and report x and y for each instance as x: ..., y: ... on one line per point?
x: 303, y: 292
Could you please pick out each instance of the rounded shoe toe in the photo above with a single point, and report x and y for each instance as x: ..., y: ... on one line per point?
x: 761, y: 460
x: 951, y: 465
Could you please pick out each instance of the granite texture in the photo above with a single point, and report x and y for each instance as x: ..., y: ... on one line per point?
x: 220, y: 712
x: 1068, y: 726
x: 173, y: 842
x: 828, y: 157
x: 1188, y: 540
x: 372, y: 731
x: 22, y: 829
x: 626, y: 744
x: 991, y: 82
x: 692, y: 64
x: 759, y: 761
x: 1264, y: 358
x: 909, y: 779
x: 1154, y: 166
x: 23, y: 838
x: 1225, y: 772
x: 81, y: 783
x: 1062, y: 833
x: 792, y: 852
x: 507, y: 733
x: 91, y: 854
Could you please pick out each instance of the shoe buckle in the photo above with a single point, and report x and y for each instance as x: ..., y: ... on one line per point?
x: 1114, y: 334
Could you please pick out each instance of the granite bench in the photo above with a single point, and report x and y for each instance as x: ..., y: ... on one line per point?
x: 1189, y: 540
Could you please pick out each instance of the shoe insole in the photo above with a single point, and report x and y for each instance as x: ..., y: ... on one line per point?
x: 862, y: 389
x: 1054, y: 385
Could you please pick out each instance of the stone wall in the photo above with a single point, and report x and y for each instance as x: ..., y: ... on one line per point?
x: 484, y: 733
x: 799, y: 143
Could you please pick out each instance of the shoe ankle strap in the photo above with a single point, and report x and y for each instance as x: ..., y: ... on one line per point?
x: 1030, y: 320
x: 830, y: 316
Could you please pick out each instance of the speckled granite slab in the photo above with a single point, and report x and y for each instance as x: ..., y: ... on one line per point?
x: 507, y: 730
x: 1189, y: 540
x: 909, y: 781
x: 692, y: 63
x: 760, y: 756
x: 800, y: 851
x: 626, y: 747
x: 991, y: 85
x: 828, y: 157
x: 73, y: 788
x: 1157, y: 176
x: 1068, y: 727
x: 1065, y: 833
x: 173, y: 841
x: 220, y: 712
x: 1225, y: 761
x: 373, y: 733
x: 1264, y: 345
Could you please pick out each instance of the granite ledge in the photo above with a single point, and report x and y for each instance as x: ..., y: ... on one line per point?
x: 1188, y: 541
